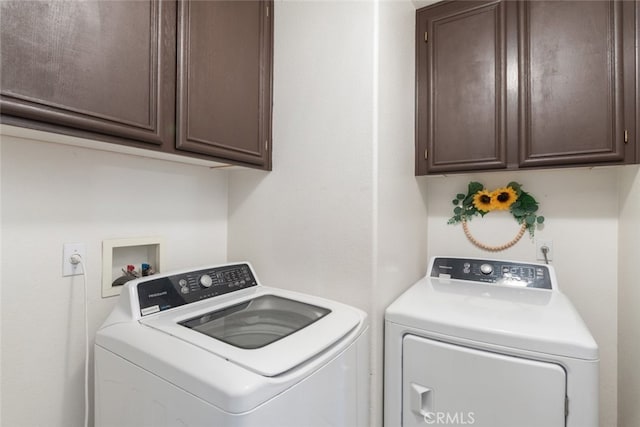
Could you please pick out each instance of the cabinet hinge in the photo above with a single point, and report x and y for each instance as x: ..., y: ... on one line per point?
x: 626, y: 136
x: 426, y: 37
x: 267, y: 11
x: 426, y: 153
x: 566, y: 407
x: 266, y: 145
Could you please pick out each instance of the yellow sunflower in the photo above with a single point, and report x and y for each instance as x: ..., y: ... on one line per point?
x: 482, y: 201
x: 503, y: 198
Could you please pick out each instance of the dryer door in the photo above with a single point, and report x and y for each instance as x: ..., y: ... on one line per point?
x: 446, y: 384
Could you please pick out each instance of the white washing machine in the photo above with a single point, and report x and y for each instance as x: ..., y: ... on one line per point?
x: 488, y: 343
x: 213, y: 347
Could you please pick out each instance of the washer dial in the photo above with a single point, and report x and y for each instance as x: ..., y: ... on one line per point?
x: 486, y: 269
x: 205, y: 280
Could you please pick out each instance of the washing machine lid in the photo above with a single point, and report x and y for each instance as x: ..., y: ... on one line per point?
x: 266, y: 330
x: 525, y: 318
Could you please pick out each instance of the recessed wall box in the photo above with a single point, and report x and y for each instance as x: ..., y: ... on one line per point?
x: 117, y: 254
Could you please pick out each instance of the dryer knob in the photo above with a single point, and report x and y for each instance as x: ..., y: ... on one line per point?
x: 206, y: 280
x: 486, y: 269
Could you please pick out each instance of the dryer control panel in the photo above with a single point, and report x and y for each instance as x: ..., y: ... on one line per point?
x: 507, y: 273
x: 163, y: 293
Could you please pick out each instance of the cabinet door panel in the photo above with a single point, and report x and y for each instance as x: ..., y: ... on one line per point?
x: 571, y: 82
x: 105, y: 67
x: 224, y: 79
x: 631, y: 93
x: 461, y: 87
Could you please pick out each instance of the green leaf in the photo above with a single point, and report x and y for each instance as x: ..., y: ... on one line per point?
x: 457, y: 210
x: 516, y: 186
x: 540, y: 219
x: 461, y: 196
x: 455, y: 202
x: 527, y: 202
x: 530, y: 219
x: 474, y: 187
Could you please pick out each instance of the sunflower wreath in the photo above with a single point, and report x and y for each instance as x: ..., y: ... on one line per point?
x: 480, y: 201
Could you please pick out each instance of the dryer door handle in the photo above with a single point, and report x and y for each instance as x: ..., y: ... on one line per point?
x: 422, y: 401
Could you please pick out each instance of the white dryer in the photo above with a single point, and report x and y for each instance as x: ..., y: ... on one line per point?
x: 213, y: 347
x: 488, y: 343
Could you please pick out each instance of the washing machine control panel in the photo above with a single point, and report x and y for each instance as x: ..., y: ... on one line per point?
x: 507, y: 273
x: 163, y: 293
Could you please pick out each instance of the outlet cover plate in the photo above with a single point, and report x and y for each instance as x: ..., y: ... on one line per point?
x: 68, y: 249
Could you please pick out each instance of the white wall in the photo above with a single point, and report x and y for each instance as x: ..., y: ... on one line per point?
x: 52, y: 194
x: 581, y: 210
x: 629, y: 299
x: 341, y: 215
x: 1, y: 263
x: 308, y: 225
x: 401, y: 226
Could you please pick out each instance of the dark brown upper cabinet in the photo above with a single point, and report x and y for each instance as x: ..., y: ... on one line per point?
x: 522, y: 84
x: 104, y: 67
x: 224, y: 80
x: 632, y: 76
x: 461, y: 87
x: 571, y: 84
x: 189, y: 77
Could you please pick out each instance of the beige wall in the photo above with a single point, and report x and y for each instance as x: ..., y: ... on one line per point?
x: 342, y: 214
x: 401, y: 214
x: 308, y: 225
x: 629, y: 299
x: 53, y: 194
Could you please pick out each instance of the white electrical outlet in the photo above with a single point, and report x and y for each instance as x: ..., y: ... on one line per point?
x: 68, y: 249
x: 539, y: 245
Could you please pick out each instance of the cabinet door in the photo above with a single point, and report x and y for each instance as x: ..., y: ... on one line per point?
x: 461, y: 87
x: 571, y: 82
x: 224, y: 79
x: 105, y: 67
x: 632, y: 73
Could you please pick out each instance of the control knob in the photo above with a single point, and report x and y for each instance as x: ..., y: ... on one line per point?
x: 206, y: 280
x: 486, y: 269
